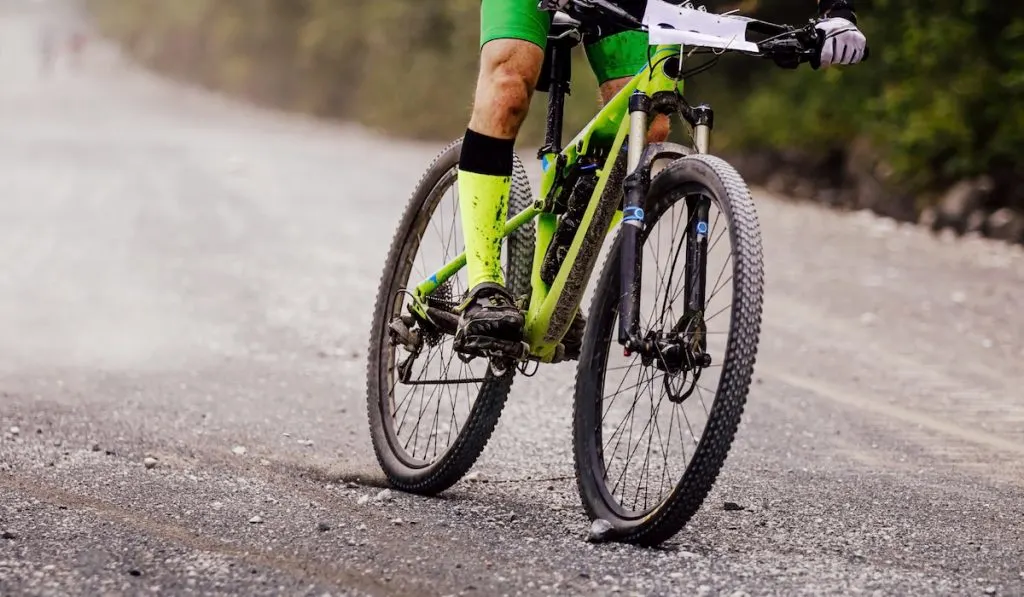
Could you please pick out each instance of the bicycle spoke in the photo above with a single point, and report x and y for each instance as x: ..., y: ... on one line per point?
x: 620, y: 392
x: 620, y: 426
x: 623, y: 391
x: 720, y: 235
x: 423, y: 405
x: 630, y: 454
x: 714, y: 225
x: 665, y: 445
x: 439, y: 228
x: 629, y: 442
x: 657, y: 274
x: 689, y: 427
x: 408, y: 405
x: 454, y: 423
x: 701, y: 396
x: 717, y: 313
x: 675, y: 412
x: 645, y: 470
x: 621, y: 367
x: 455, y: 224
x: 661, y: 276
x: 423, y: 369
x: 423, y: 264
x: 437, y: 410
x: 414, y: 437
x: 710, y: 249
x: 715, y: 293
x: 725, y: 264
x: 675, y: 261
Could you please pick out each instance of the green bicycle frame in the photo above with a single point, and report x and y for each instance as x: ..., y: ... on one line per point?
x: 608, y: 132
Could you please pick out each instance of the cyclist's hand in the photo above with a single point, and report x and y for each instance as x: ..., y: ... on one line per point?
x: 844, y: 43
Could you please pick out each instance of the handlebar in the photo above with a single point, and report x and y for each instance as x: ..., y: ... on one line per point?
x: 787, y: 46
x: 798, y: 46
x: 584, y: 7
x: 795, y: 47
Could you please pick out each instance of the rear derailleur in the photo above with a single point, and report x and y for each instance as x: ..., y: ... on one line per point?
x: 412, y: 331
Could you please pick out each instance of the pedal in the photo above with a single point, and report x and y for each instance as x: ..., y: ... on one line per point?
x: 491, y: 348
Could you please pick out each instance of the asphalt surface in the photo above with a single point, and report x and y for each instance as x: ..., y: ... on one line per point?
x: 191, y: 280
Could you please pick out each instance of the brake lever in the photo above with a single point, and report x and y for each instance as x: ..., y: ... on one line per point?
x: 814, y: 38
x: 788, y: 54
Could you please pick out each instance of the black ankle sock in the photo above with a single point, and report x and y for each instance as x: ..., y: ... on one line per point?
x: 482, y: 154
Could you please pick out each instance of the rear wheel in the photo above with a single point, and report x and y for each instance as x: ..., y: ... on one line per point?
x: 431, y: 413
x: 650, y: 437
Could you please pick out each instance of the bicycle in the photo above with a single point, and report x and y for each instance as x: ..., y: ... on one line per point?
x: 600, y: 182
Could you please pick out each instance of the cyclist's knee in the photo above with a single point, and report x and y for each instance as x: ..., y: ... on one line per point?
x: 660, y: 125
x: 511, y: 90
x: 659, y: 130
x: 508, y: 74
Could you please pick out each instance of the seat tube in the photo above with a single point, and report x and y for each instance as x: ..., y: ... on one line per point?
x: 559, y: 86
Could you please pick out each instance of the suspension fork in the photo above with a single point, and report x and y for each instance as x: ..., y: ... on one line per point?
x: 637, y: 183
x: 697, y: 206
x: 630, y: 264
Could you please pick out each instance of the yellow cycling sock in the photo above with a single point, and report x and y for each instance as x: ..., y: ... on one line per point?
x: 483, y: 202
x: 485, y: 181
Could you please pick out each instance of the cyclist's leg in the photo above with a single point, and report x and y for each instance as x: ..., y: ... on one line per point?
x: 513, y: 35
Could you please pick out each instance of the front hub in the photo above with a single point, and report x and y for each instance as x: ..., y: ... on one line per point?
x: 681, y: 356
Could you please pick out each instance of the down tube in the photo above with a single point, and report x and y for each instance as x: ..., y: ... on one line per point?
x: 424, y: 288
x: 544, y: 330
x: 599, y: 132
x: 541, y: 331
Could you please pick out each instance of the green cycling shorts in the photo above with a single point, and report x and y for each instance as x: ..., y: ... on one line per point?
x: 613, y: 55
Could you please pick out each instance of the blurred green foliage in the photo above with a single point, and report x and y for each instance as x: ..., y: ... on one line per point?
x: 941, y: 99
x: 406, y: 67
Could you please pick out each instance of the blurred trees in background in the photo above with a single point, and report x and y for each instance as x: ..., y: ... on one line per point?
x: 941, y: 101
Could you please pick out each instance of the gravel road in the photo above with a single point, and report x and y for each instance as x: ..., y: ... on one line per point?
x: 190, y: 281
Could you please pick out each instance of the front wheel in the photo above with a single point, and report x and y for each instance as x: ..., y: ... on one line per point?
x: 651, y: 434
